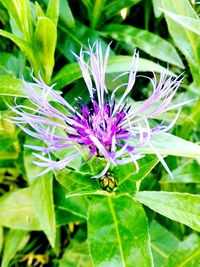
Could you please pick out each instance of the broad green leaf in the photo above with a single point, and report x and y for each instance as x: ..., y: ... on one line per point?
x: 187, y: 253
x: 42, y: 193
x: 187, y: 41
x: 53, y: 10
x: 66, y: 15
x: 185, y: 173
x: 76, y: 255
x: 187, y: 22
x: 13, y: 242
x: 44, y: 45
x: 71, y: 72
x: 43, y: 201
x: 168, y: 144
x: 163, y: 243
x: 144, y: 40
x: 181, y: 207
x: 118, y: 233
x: 114, y: 6
x: 17, y: 210
x: 128, y: 179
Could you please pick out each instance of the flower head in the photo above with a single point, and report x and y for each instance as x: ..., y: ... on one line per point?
x: 107, y: 126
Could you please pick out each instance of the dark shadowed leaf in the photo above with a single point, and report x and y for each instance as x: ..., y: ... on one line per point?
x: 15, y: 239
x: 76, y: 255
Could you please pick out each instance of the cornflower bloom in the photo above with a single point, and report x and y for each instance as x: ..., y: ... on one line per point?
x: 106, y: 127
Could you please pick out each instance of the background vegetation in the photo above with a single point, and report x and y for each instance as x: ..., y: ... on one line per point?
x: 39, y: 226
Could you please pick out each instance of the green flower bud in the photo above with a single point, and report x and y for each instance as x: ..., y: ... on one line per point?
x: 108, y: 182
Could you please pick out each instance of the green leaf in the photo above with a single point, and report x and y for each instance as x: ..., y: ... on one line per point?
x: 66, y: 15
x: 76, y: 255
x: 42, y: 193
x: 53, y: 10
x: 1, y: 239
x: 163, y: 243
x: 187, y: 41
x: 24, y: 46
x: 77, y: 183
x: 187, y: 22
x: 96, y: 11
x: 156, y: 8
x: 147, y: 41
x: 113, y: 7
x: 118, y: 233
x: 20, y: 12
x: 168, y: 144
x: 10, y: 86
x: 185, y: 173
x: 68, y: 209
x: 71, y: 72
x: 17, y: 210
x: 12, y: 245
x: 187, y: 253
x: 43, y: 201
x: 72, y: 39
x: 8, y: 64
x: 181, y: 207
x: 44, y: 45
x: 128, y: 179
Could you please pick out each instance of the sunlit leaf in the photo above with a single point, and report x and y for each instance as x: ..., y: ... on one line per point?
x: 187, y: 41
x: 187, y: 22
x: 187, y: 253
x: 144, y: 40
x: 45, y: 43
x: 181, y: 207
x: 185, y: 173
x: 118, y: 233
x: 168, y: 144
x: 163, y: 243
x: 17, y: 210
x: 53, y: 10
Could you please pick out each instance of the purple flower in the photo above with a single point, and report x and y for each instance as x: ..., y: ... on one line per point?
x: 108, y: 126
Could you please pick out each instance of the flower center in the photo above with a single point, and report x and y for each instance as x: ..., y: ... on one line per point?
x: 100, y: 123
